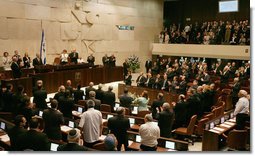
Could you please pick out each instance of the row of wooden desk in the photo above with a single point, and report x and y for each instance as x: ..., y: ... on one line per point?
x: 52, y: 80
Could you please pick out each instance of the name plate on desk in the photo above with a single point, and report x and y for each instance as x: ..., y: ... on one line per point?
x: 214, y: 131
x: 66, y: 128
x: 218, y: 129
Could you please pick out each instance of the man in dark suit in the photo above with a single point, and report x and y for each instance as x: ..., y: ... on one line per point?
x: 105, y: 60
x: 16, y: 69
x: 118, y: 125
x: 109, y: 97
x: 125, y: 99
x: 158, y: 82
x: 17, y: 55
x: 74, y: 56
x: 141, y: 80
x: 69, y: 86
x: 53, y: 119
x: 180, y: 110
x: 78, y: 94
x: 91, y: 60
x: 150, y: 81
x: 128, y: 79
x: 165, y: 121
x: 66, y: 104
x: 15, y: 132
x: 165, y: 84
x: 92, y: 96
x: 206, y: 78
x: 89, y: 88
x: 73, y: 139
x: 125, y: 68
x: 37, y: 61
x: 34, y: 139
x: 148, y: 65
x: 112, y: 61
x: 40, y: 95
x: 61, y: 92
x: 7, y: 98
x: 99, y: 92
x: 182, y: 86
x: 156, y: 104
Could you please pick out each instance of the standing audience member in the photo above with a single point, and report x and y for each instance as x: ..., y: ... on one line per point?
x: 118, y: 125
x: 26, y: 61
x: 53, y: 119
x: 166, y: 120
x: 235, y: 90
x: 69, y: 86
x: 66, y: 104
x: 16, y: 68
x: 92, y: 96
x: 73, y: 139
x: 78, y: 94
x: 15, y: 132
x: 40, y: 95
x: 112, y: 61
x: 74, y: 55
x: 156, y: 104
x: 61, y: 92
x: 142, y: 101
x: 34, y: 139
x: 109, y: 97
x: 148, y: 65
x: 37, y: 61
x: 88, y: 89
x: 125, y: 68
x: 125, y: 99
x: 128, y: 78
x: 149, y: 133
x: 91, y: 125
x: 7, y: 98
x: 100, y: 92
x: 105, y: 60
x: 180, y: 111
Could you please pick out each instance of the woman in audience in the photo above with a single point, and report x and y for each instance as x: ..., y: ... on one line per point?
x: 64, y: 57
x: 7, y: 60
x: 142, y: 101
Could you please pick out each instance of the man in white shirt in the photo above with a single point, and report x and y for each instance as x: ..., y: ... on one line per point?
x: 149, y: 133
x: 91, y: 125
x: 242, y: 106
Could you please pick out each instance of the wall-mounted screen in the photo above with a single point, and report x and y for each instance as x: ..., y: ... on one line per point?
x: 228, y: 6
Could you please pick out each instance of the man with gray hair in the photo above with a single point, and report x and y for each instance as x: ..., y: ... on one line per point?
x: 88, y: 89
x: 91, y: 125
x: 149, y: 133
x: 243, y: 105
x: 92, y: 95
x: 100, y: 92
x: 166, y: 120
x: 109, y: 97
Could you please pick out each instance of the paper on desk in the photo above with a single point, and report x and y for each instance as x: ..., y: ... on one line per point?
x: 104, y: 120
x: 5, y: 138
x: 66, y: 128
x: 218, y: 129
x: 229, y: 123
x: 214, y: 131
x: 171, y: 149
x: 232, y: 120
x: 102, y: 137
x: 225, y: 125
x: 130, y: 142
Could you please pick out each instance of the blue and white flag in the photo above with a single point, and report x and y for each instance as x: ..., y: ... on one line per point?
x: 43, y: 49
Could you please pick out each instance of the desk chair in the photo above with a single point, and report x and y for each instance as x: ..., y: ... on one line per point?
x: 99, y: 146
x: 210, y: 116
x: 143, y: 113
x: 105, y: 108
x: 199, y: 128
x: 187, y: 131
x: 237, y: 139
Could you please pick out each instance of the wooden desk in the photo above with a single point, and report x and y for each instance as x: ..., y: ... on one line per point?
x: 152, y: 93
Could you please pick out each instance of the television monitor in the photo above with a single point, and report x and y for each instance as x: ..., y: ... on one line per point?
x: 226, y: 117
x: 217, y: 121
x: 228, y: 6
x: 117, y: 105
x: 3, y: 126
x: 131, y: 120
x: 231, y: 115
x: 170, y: 144
x: 137, y: 138
x: 222, y: 119
x: 109, y: 116
x: 54, y: 146
x: 71, y: 124
x: 40, y: 113
x: 80, y: 109
x: 207, y: 127
x: 211, y: 125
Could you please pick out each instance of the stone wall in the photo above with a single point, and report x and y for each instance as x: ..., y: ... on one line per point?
x: 87, y: 25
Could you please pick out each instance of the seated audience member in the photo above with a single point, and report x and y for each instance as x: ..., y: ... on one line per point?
x: 140, y: 81
x: 34, y: 139
x: 142, y: 101
x: 156, y: 104
x: 100, y: 92
x: 158, y: 82
x: 105, y: 60
x: 64, y: 57
x: 15, y: 132
x: 66, y: 104
x: 89, y: 88
x: 61, y: 92
x: 149, y: 133
x: 73, y: 139
x: 37, y: 61
x: 27, y: 109
x: 26, y: 61
x: 166, y: 120
x: 92, y: 96
x: 91, y: 60
x: 150, y: 81
x: 110, y: 143
x: 74, y: 55
x: 40, y: 95
x: 78, y: 94
x: 180, y: 111
x: 126, y: 100
x: 118, y: 125
x: 109, y: 97
x: 16, y: 68
x: 53, y: 119
x: 165, y: 83
x: 91, y: 125
x: 128, y: 78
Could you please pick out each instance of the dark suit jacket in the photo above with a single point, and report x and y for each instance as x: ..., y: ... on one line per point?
x: 112, y: 61
x: 99, y: 94
x: 73, y: 57
x: 156, y: 104
x: 183, y: 87
x: 224, y: 78
x: 109, y: 98
x: 126, y: 101
x: 140, y: 83
x: 66, y: 106
x: 105, y: 61
x: 7, y: 99
x: 40, y: 97
x: 125, y: 68
x: 34, y: 140
x: 118, y: 125
x: 165, y: 123
x: 157, y: 83
x: 97, y: 103
x: 180, y: 111
x: 78, y: 95
x: 37, y: 62
x: 148, y: 65
x: 91, y: 60
x: 151, y: 82
x: 128, y: 80
x: 26, y: 62
x: 52, y: 122
x: 16, y: 71
x: 14, y: 133
x: 71, y: 147
x: 58, y: 95
x: 88, y: 89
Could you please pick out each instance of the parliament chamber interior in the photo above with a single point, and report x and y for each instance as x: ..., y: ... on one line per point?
x: 125, y: 75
